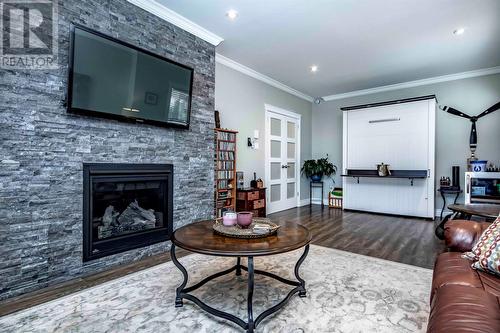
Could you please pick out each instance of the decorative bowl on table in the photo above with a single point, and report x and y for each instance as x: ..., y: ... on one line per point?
x: 260, y: 227
x: 245, y: 219
x: 229, y: 219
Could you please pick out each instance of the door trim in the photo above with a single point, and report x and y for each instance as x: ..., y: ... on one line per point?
x: 271, y: 109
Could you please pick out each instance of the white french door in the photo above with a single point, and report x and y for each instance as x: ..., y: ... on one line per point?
x: 282, y: 159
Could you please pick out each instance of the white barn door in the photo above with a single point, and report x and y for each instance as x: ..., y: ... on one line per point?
x: 401, y: 135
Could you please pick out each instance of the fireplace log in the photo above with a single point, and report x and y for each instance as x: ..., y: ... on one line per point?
x: 136, y: 215
x: 133, y: 218
x: 110, y: 216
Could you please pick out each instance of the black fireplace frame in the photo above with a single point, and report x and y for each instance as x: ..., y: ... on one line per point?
x: 133, y: 240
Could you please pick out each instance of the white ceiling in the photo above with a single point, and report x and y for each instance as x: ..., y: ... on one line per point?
x: 356, y: 44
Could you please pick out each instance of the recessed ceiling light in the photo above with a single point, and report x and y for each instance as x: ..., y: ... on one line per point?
x: 232, y: 14
x: 459, y: 31
x: 314, y: 68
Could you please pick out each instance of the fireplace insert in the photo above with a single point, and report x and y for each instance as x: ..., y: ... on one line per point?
x: 125, y: 206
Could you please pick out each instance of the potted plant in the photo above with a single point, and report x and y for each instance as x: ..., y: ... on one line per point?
x: 316, y: 169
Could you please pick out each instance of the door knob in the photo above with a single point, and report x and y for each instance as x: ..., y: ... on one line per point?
x: 284, y: 166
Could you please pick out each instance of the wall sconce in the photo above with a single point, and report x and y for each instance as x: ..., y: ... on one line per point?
x: 254, y: 142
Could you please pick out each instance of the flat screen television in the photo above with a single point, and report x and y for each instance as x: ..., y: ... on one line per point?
x: 111, y: 78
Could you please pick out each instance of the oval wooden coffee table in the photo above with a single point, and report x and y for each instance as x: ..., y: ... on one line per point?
x: 199, y: 237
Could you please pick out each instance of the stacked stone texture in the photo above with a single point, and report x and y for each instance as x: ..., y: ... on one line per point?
x: 43, y: 148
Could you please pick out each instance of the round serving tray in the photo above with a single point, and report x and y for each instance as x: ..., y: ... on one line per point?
x: 238, y: 232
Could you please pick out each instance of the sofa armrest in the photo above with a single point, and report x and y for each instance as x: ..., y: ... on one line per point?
x: 462, y: 235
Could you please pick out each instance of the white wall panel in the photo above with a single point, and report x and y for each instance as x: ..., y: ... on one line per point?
x: 401, y: 143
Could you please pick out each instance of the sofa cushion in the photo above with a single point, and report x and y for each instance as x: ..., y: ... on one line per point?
x: 451, y: 269
x: 485, y: 241
x: 491, y: 283
x: 462, y: 309
x: 489, y: 261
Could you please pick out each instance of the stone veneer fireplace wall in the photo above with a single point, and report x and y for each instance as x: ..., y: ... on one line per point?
x: 43, y: 148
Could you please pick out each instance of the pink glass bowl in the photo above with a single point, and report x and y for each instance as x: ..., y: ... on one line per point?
x: 245, y: 219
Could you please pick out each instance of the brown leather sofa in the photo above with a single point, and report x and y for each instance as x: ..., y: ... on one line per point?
x: 463, y: 299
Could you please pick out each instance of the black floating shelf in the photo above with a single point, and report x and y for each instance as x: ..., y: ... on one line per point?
x: 394, y: 173
x: 410, y: 174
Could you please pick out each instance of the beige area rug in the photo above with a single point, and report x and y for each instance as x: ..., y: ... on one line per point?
x: 346, y: 292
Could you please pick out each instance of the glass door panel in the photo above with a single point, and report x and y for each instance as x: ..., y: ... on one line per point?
x: 282, y: 154
x: 290, y: 190
x: 290, y: 171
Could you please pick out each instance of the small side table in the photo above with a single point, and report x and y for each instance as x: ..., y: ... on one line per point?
x: 447, y: 190
x: 315, y: 184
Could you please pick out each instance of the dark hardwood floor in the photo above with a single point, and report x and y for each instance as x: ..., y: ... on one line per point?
x: 396, y: 238
x: 401, y: 239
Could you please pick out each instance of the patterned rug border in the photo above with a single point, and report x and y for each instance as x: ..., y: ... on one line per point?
x: 104, y: 284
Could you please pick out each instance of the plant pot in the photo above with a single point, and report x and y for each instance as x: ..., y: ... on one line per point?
x: 316, y: 178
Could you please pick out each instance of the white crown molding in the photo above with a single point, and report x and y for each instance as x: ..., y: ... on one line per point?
x: 180, y: 21
x: 416, y: 83
x: 259, y: 76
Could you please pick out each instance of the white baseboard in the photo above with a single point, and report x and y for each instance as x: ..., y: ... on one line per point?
x: 317, y: 201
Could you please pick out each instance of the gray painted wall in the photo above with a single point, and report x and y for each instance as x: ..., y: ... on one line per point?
x: 42, y: 149
x: 240, y: 100
x: 452, y: 133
